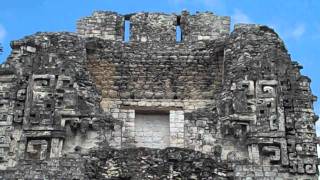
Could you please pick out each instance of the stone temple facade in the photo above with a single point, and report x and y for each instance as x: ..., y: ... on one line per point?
x: 214, y: 104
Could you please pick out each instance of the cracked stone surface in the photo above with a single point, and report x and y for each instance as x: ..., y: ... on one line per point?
x: 215, y: 105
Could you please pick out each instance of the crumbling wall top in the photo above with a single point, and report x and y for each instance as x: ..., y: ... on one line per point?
x: 204, y: 26
x: 153, y: 27
x: 102, y: 24
x: 158, y: 27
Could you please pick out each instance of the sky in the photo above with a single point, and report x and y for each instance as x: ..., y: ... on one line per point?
x: 296, y: 21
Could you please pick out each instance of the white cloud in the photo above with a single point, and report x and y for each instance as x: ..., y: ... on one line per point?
x: 2, y: 33
x: 290, y: 31
x: 240, y: 17
x: 297, y: 31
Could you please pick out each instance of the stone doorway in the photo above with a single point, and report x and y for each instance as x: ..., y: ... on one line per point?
x: 152, y: 130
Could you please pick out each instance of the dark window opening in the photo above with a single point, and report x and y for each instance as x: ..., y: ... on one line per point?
x: 65, y: 82
x: 126, y: 31
x: 274, y: 121
x: 269, y: 105
x: 175, y: 97
x: 245, y: 85
x: 243, y: 128
x: 33, y: 115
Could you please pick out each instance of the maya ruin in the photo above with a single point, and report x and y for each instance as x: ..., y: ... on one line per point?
x: 213, y: 104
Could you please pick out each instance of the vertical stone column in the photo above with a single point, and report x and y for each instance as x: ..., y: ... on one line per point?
x: 56, y: 147
x: 127, y: 117
x: 8, y: 93
x: 254, y: 156
x: 177, y: 128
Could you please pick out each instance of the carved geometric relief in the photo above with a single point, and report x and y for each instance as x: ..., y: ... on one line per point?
x: 266, y: 88
x: 267, y: 113
x: 19, y: 106
x: 4, y: 147
x: 238, y: 129
x: 272, y: 153
x: 43, y: 82
x: 3, y: 154
x: 37, y: 149
x: 244, y: 97
x: 64, y: 82
x: 269, y: 151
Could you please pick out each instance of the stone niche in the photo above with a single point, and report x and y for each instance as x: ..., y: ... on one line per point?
x: 150, y: 126
x: 152, y: 129
x: 37, y: 149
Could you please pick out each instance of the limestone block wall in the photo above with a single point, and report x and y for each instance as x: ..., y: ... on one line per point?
x: 126, y: 111
x: 153, y: 27
x: 102, y: 24
x: 137, y: 71
x: 191, y: 125
x: 204, y: 26
x: 7, y: 115
x: 43, y: 96
x: 156, y: 27
x: 177, y: 130
x: 268, y: 88
x: 152, y: 130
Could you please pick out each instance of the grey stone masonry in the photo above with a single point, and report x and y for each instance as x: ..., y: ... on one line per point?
x: 216, y: 105
x: 105, y: 25
x: 152, y: 130
x: 155, y: 27
x: 204, y: 26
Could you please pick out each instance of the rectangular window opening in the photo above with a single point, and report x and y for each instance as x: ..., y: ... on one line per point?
x: 126, y: 31
x: 178, y: 33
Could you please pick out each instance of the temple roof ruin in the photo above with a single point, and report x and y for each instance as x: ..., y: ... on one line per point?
x: 156, y: 96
